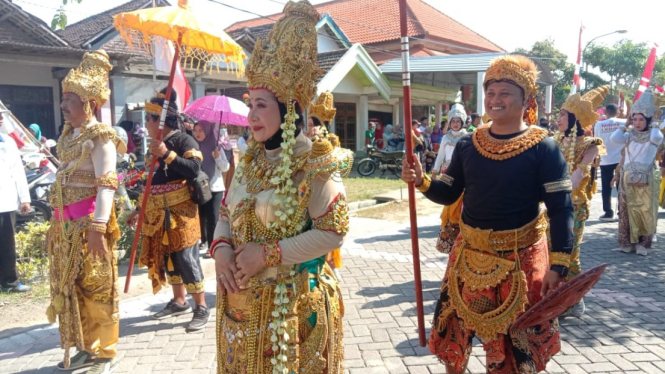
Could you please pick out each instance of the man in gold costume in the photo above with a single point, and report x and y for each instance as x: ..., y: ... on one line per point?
x: 499, y: 265
x: 84, y: 232
x: 279, y: 305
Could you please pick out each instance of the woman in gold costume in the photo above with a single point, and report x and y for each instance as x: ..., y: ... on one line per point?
x: 575, y: 117
x: 638, y: 178
x: 279, y: 308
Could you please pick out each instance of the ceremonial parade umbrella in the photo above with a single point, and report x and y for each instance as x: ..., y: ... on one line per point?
x: 198, y: 42
x: 219, y: 109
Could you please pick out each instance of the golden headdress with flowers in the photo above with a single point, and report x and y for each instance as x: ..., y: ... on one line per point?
x: 584, y: 107
x: 90, y: 79
x: 286, y: 63
x: 323, y: 108
x: 520, y: 71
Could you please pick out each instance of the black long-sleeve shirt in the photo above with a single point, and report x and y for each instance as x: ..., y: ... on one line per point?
x: 182, y: 167
x: 505, y: 195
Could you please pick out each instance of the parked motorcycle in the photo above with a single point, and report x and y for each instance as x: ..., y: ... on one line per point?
x: 382, y: 160
x: 40, y: 177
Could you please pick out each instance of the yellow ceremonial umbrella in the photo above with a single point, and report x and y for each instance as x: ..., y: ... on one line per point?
x: 196, y: 41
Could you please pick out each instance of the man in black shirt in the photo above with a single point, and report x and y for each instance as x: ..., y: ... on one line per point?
x: 500, y: 265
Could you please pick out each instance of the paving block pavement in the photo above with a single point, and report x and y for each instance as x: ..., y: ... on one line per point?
x: 623, y: 330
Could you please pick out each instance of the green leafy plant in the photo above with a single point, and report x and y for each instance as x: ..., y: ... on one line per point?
x: 127, y: 238
x: 31, y: 252
x: 59, y: 20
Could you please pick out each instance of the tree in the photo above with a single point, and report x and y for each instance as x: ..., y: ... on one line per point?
x: 624, y: 63
x: 59, y: 20
x: 555, y: 60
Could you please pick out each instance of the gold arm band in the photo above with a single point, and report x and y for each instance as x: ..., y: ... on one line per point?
x: 193, y: 153
x: 425, y: 185
x: 99, y: 227
x: 559, y: 258
x: 169, y: 159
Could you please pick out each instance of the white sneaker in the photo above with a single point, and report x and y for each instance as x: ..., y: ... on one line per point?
x: 654, y: 239
x: 628, y: 249
x: 641, y: 250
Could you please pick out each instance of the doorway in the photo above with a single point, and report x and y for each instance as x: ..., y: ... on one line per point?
x: 345, y: 125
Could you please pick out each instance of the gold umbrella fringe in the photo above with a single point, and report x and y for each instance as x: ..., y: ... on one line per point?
x: 192, y: 58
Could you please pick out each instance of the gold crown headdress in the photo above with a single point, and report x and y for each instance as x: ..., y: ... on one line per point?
x: 520, y: 71
x: 90, y: 79
x: 323, y: 108
x: 286, y: 64
x: 645, y: 104
x: 584, y: 107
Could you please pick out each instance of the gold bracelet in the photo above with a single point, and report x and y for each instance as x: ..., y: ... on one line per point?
x: 169, y: 159
x: 560, y: 259
x: 98, y: 227
x: 424, y: 186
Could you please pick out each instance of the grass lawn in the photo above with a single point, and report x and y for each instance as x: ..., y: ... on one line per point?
x: 359, y: 188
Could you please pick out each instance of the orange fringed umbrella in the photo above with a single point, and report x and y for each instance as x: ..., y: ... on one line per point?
x: 196, y: 42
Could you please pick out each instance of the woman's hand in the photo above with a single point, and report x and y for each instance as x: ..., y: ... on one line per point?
x: 412, y: 173
x: 132, y: 219
x: 215, y: 153
x: 615, y: 181
x: 250, y: 261
x: 225, y: 268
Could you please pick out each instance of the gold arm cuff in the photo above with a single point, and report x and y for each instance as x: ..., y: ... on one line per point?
x: 99, y: 227
x: 427, y: 182
x: 193, y: 153
x: 559, y: 258
x: 565, y: 185
x: 109, y: 179
x: 169, y: 159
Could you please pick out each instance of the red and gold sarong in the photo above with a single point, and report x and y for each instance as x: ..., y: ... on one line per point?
x: 491, y: 279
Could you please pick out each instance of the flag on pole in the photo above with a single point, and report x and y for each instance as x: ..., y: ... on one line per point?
x: 578, y: 63
x: 648, y: 69
x: 164, y: 52
x: 659, y: 88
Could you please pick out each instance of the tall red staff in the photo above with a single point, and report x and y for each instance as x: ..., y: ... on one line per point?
x: 201, y: 44
x: 406, y: 84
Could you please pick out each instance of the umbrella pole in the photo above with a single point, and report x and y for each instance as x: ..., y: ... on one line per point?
x: 406, y: 84
x: 162, y: 119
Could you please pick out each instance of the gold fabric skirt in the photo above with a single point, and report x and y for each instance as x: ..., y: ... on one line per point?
x: 642, y: 206
x: 314, y: 324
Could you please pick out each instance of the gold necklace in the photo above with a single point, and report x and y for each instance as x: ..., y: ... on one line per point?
x: 260, y: 172
x: 503, y: 149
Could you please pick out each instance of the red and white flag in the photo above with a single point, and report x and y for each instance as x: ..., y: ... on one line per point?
x: 164, y: 52
x: 648, y: 69
x: 578, y: 63
x: 659, y: 88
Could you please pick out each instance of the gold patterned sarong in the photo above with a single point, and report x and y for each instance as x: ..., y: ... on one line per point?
x: 314, y: 324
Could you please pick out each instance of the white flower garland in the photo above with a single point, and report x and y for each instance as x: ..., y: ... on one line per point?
x: 278, y: 327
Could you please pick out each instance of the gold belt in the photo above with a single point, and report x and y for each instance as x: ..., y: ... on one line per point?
x: 71, y: 195
x: 507, y: 240
x: 156, y: 202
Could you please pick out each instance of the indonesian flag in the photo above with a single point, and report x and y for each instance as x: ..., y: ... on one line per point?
x: 648, y: 69
x: 164, y: 52
x: 14, y: 130
x: 578, y: 63
x: 659, y: 89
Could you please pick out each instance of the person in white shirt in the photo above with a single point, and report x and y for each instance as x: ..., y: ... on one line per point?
x: 13, y: 193
x: 608, y: 163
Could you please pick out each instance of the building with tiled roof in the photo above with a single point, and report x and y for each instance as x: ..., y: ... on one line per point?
x: 432, y: 32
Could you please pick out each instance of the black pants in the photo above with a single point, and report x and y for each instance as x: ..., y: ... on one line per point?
x: 184, y: 267
x: 208, y: 216
x: 606, y: 175
x: 8, y: 272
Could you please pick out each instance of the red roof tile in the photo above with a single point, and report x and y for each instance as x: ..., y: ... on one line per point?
x: 352, y: 16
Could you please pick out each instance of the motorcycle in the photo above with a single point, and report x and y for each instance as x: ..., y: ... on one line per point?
x: 382, y: 160
x: 40, y: 176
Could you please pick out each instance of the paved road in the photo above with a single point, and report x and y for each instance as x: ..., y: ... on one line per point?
x: 622, y: 332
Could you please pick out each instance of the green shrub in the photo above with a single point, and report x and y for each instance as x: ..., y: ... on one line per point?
x: 127, y: 238
x: 31, y: 252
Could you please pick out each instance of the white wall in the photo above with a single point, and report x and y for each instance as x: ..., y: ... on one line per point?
x: 29, y: 75
x: 132, y: 90
x: 325, y: 43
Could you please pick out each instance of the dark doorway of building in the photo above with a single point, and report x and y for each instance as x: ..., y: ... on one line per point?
x: 31, y: 105
x: 345, y: 125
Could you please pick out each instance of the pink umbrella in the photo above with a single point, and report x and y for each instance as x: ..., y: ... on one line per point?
x: 219, y: 109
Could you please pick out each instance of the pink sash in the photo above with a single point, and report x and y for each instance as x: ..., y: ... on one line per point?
x: 77, y: 210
